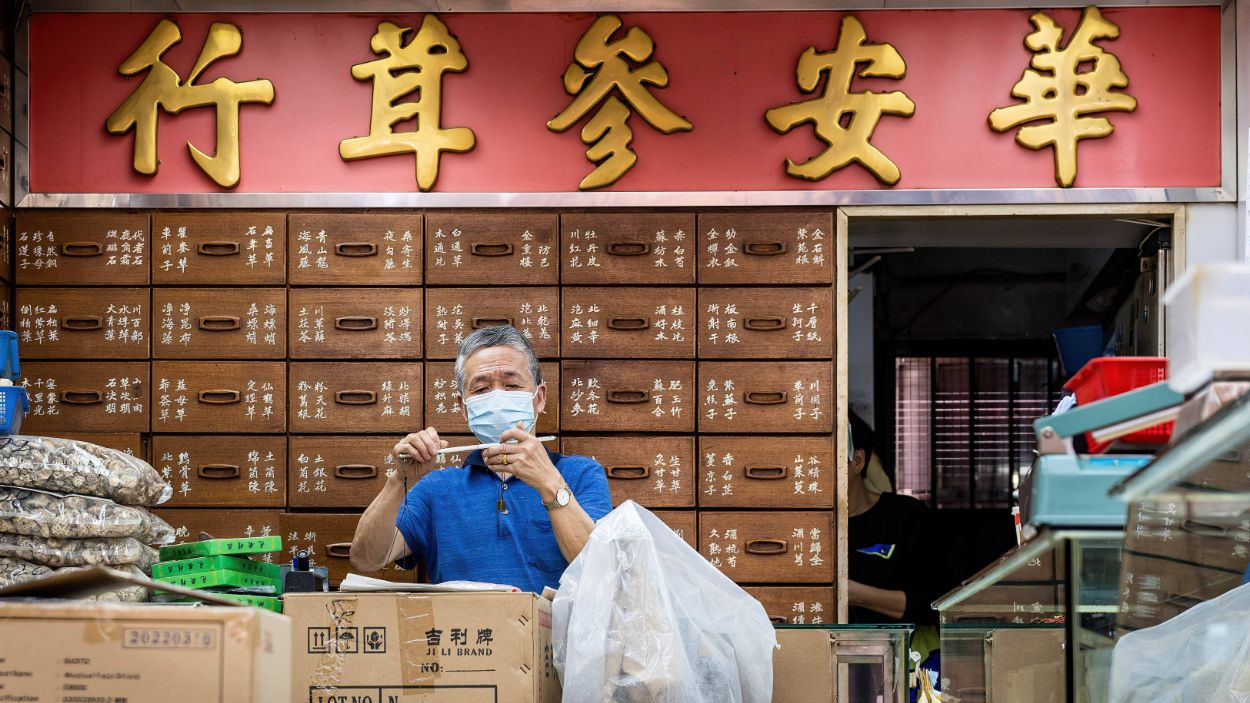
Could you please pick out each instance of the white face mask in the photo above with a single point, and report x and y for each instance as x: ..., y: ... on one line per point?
x: 491, y: 414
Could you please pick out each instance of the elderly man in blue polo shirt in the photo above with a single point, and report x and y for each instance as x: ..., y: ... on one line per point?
x: 514, y: 513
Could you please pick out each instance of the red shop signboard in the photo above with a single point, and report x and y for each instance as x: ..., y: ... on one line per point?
x: 643, y: 102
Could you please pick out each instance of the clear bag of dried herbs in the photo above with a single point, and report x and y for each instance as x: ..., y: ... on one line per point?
x: 57, y: 552
x: 81, y: 468
x: 45, y: 514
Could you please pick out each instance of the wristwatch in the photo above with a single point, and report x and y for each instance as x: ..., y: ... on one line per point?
x: 563, y: 496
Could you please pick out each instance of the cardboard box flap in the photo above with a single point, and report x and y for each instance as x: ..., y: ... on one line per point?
x: 99, y: 579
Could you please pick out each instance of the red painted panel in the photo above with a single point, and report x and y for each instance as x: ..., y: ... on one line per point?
x: 725, y: 69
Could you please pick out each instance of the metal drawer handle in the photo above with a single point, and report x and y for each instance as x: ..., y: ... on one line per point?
x: 82, y: 249
x: 82, y: 323
x: 82, y: 397
x: 767, y: 547
x: 500, y: 249
x: 765, y: 248
x: 626, y: 397
x: 765, y: 473
x: 764, y: 324
x: 339, y: 550
x: 218, y: 248
x: 356, y: 324
x: 355, y: 471
x: 219, y: 323
x: 779, y: 620
x: 218, y: 471
x: 628, y: 473
x: 356, y: 249
x: 480, y: 322
x: 355, y: 397
x: 629, y: 248
x: 1183, y: 601
x: 766, y: 397
x: 1205, y: 529
x: 629, y: 324
x: 220, y: 396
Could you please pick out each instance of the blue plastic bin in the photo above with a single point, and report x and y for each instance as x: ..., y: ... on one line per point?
x: 1077, y: 345
x: 13, y: 407
x: 9, y: 365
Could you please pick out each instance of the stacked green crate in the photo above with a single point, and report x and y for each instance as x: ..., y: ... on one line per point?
x: 222, y: 566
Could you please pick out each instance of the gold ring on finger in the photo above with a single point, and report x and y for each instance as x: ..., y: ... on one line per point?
x: 505, y: 459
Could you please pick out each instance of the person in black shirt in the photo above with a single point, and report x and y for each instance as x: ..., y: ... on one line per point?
x: 892, y: 569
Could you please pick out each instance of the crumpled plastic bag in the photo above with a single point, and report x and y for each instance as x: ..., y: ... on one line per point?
x: 1199, y: 656
x: 642, y: 617
x: 42, y: 514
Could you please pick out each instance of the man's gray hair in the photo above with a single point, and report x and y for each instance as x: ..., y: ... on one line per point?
x: 498, y: 336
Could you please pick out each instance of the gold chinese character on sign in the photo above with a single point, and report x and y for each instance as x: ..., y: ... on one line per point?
x: 416, y: 66
x: 602, y: 72
x: 1063, y: 87
x: 844, y: 120
x: 162, y: 88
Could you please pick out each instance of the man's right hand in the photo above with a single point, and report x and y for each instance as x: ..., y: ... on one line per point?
x: 418, y: 454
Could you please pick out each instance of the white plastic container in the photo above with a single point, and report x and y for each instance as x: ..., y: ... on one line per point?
x: 1208, y: 325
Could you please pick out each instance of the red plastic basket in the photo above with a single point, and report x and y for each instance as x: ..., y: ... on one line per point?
x: 1113, y: 375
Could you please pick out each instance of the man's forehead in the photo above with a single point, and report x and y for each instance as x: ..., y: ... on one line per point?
x: 492, y: 360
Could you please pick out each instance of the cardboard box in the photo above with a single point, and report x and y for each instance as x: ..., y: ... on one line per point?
x: 817, y: 663
x: 1026, y: 665
x: 65, y: 651
x: 429, y: 647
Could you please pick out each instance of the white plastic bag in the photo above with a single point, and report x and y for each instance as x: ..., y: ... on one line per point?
x: 1199, y: 656
x: 641, y: 617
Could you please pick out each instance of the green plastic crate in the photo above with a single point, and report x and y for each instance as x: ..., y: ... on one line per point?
x: 267, y: 602
x: 222, y: 578
x: 215, y: 547
x: 184, y: 567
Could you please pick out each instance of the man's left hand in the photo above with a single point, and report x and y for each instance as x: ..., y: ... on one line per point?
x: 526, y: 459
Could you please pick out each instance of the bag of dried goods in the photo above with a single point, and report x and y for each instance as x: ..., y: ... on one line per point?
x: 14, y: 571
x: 41, y: 514
x: 57, y: 552
x: 69, y: 466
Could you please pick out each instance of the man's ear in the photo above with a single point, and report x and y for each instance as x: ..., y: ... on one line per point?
x: 540, y: 400
x: 859, y: 460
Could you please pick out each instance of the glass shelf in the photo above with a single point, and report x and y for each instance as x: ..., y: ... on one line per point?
x: 1005, y: 631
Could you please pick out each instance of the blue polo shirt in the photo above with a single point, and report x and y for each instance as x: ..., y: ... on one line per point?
x: 450, y: 519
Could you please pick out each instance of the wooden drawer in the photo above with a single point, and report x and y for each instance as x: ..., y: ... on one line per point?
x: 219, y: 397
x: 766, y: 396
x: 6, y: 312
x: 188, y: 523
x: 83, y: 323
x: 131, y: 443
x: 356, y: 249
x: 654, y: 248
x: 781, y: 547
x: 344, y: 471
x: 217, y: 323
x: 1007, y: 601
x: 627, y: 396
x: 796, y: 605
x: 1161, y: 589
x: 79, y: 396
x: 6, y: 245
x: 356, y: 397
x: 1213, y: 534
x: 354, y: 323
x: 73, y: 248
x: 742, y: 248
x: 654, y: 472
x: 475, y: 248
x: 442, y: 398
x: 237, y: 248
x: 640, y: 323
x: 766, y: 323
x: 212, y: 471
x: 683, y: 522
x: 766, y: 472
x: 328, y: 539
x: 451, y: 314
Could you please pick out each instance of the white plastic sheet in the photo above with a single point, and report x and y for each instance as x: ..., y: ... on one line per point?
x: 641, y: 617
x: 1199, y: 656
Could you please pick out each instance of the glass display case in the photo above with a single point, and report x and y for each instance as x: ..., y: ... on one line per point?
x: 1023, y: 631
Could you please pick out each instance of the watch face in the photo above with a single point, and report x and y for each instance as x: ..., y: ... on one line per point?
x: 562, y: 497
